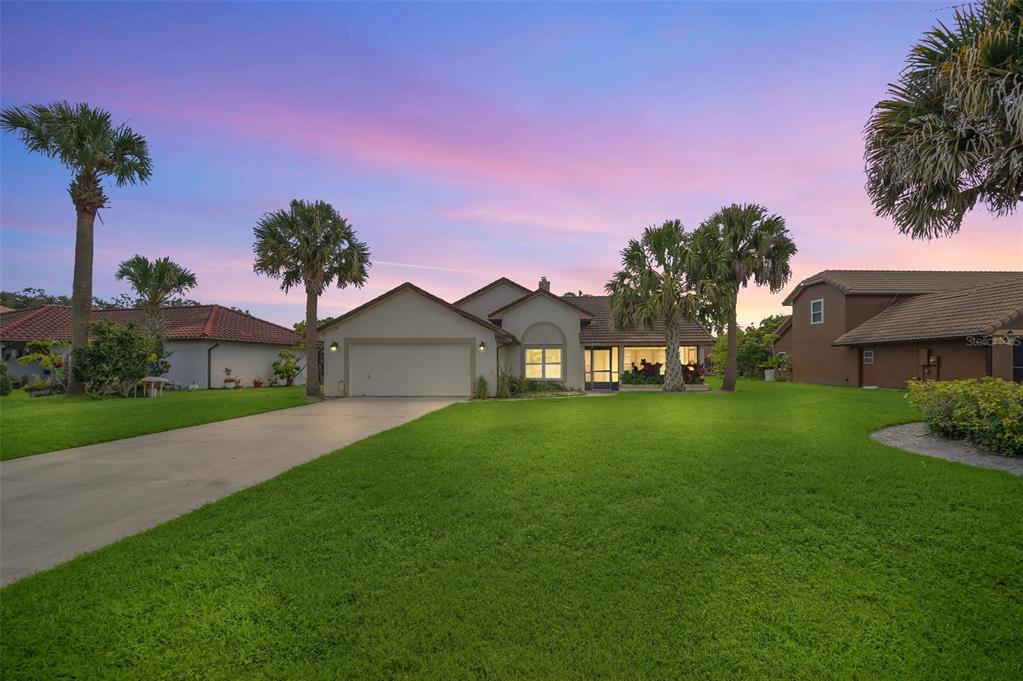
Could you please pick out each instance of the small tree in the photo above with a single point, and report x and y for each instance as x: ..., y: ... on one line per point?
x: 47, y: 354
x: 156, y: 283
x: 287, y: 365
x: 115, y: 359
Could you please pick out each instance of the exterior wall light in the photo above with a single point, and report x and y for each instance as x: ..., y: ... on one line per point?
x: 333, y: 347
x: 483, y: 346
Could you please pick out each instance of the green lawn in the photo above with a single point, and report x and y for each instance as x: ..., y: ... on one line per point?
x: 32, y: 425
x: 705, y: 536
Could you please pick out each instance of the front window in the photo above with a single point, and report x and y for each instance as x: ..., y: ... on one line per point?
x: 637, y: 359
x: 543, y: 363
x: 817, y: 311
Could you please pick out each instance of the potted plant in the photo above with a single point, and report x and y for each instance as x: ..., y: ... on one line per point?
x: 229, y: 380
x: 239, y: 382
x: 257, y: 382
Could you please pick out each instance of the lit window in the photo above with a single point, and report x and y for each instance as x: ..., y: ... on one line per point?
x: 868, y: 356
x: 543, y: 363
x: 817, y: 311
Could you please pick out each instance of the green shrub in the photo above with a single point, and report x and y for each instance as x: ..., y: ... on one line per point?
x: 114, y: 361
x: 985, y: 411
x: 286, y: 367
x: 503, y: 386
x: 6, y: 385
x: 48, y: 356
x: 482, y: 389
x: 38, y: 385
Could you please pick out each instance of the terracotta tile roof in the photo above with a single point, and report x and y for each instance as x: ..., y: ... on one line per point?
x: 195, y: 322
x: 907, y: 282
x: 601, y: 330
x: 956, y: 314
x: 408, y: 286
x: 499, y: 313
x: 496, y: 282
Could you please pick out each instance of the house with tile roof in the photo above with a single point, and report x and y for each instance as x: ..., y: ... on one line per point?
x: 411, y: 342
x: 881, y: 328
x: 203, y: 340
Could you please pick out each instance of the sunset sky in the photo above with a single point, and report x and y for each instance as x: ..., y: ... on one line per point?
x: 465, y: 141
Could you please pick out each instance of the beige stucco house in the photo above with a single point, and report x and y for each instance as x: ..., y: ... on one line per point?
x: 410, y: 342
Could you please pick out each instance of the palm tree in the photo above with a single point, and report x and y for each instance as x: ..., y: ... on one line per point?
x: 310, y: 244
x: 737, y: 244
x: 950, y: 134
x: 156, y: 283
x: 655, y: 284
x: 85, y: 141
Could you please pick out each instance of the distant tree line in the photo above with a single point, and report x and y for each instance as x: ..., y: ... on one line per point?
x: 33, y: 297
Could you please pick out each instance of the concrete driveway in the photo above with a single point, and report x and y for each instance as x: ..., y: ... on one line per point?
x: 54, y: 506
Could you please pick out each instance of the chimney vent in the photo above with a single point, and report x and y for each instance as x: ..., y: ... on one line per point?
x: 545, y: 285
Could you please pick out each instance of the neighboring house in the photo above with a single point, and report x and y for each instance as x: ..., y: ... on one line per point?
x: 411, y: 342
x: 203, y: 340
x: 882, y: 328
x: 4, y: 308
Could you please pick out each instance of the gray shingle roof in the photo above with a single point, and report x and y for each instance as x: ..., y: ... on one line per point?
x: 901, y: 281
x: 601, y: 330
x: 956, y: 314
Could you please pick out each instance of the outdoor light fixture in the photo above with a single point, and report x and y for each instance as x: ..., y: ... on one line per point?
x: 483, y: 346
x: 333, y: 347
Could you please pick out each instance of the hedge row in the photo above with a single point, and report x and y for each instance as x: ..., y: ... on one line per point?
x: 985, y: 411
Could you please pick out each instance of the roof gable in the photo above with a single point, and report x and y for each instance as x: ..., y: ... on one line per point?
x: 408, y: 286
x: 582, y: 312
x: 494, y: 284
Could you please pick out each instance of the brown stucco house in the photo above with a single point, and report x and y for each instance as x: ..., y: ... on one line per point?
x: 882, y: 328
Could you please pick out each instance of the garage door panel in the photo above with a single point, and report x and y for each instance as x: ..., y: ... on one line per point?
x: 410, y: 369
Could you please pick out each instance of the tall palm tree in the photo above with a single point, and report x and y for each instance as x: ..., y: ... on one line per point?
x: 950, y: 133
x: 737, y: 244
x: 85, y: 141
x: 655, y: 283
x: 312, y: 245
x: 155, y: 282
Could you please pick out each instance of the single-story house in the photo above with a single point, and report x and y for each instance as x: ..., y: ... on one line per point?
x: 203, y: 340
x: 411, y: 342
x: 879, y: 328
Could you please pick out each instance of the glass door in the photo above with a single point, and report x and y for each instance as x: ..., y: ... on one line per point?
x: 601, y: 368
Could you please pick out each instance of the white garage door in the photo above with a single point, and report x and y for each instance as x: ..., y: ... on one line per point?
x: 407, y: 369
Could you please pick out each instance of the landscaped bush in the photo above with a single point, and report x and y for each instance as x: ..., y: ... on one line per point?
x: 692, y: 373
x: 6, y: 385
x: 985, y: 411
x: 286, y: 367
x: 48, y: 356
x: 115, y: 360
x: 482, y: 389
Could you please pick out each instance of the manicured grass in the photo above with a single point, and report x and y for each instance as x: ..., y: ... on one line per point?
x: 705, y: 536
x: 32, y: 425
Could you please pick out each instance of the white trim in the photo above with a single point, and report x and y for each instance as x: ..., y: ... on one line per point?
x: 821, y: 301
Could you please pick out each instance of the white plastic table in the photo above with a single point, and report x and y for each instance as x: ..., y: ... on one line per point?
x: 153, y: 385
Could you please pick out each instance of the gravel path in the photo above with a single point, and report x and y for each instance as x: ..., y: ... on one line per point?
x: 913, y: 437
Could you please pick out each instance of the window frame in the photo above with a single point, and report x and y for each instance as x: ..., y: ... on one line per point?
x: 871, y: 354
x: 543, y: 363
x: 812, y: 302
